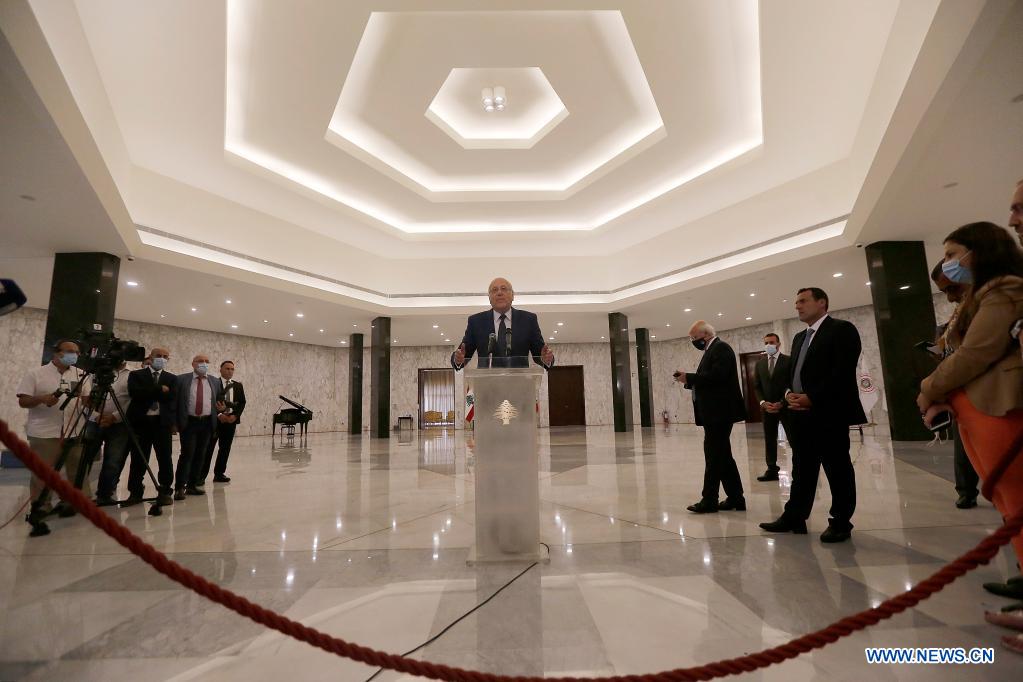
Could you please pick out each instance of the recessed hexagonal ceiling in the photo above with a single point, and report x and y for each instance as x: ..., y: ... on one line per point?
x: 533, y: 108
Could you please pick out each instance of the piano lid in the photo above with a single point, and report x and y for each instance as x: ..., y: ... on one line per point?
x: 292, y: 402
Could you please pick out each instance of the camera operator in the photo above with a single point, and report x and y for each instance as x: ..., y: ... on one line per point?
x: 41, y: 392
x: 113, y: 434
x: 151, y: 415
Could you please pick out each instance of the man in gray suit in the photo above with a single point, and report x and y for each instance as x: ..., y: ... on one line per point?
x: 771, y: 376
x: 198, y: 406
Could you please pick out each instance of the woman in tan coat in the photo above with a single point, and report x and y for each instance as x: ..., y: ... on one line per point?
x: 983, y: 380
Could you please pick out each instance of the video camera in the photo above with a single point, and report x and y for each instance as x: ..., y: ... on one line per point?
x: 102, y: 352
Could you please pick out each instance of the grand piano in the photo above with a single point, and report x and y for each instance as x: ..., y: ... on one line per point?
x: 292, y: 416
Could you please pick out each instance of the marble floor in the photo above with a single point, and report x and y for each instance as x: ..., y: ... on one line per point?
x: 367, y: 539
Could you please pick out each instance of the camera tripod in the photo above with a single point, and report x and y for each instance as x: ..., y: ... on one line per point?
x: 90, y: 439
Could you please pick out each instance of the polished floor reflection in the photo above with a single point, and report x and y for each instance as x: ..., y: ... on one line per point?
x: 367, y: 539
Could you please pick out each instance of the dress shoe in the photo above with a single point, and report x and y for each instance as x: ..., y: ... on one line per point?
x: 105, y: 501
x: 195, y: 490
x: 1011, y: 589
x: 179, y: 494
x: 132, y: 501
x: 165, y: 499
x: 783, y: 525
x: 703, y: 507
x: 221, y: 478
x: 65, y: 510
x: 769, y: 475
x: 833, y: 534
x: 733, y: 504
x: 966, y: 502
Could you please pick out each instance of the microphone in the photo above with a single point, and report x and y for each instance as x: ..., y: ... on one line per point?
x: 507, y: 342
x: 492, y: 343
x: 11, y: 297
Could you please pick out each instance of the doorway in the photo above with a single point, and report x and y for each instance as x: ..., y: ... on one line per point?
x: 566, y: 397
x: 436, y: 398
x: 748, y: 363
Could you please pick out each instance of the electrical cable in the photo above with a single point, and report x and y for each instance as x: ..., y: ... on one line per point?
x: 464, y: 615
x: 16, y: 515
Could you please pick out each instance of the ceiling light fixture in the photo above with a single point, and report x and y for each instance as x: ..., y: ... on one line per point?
x: 299, y: 314
x: 748, y: 319
x: 228, y: 301
x: 266, y: 321
x: 720, y: 314
x: 652, y: 336
x: 163, y: 315
x: 837, y: 275
x: 291, y: 333
x: 493, y: 99
x: 903, y: 287
x: 132, y: 283
x: 234, y: 326
x: 752, y: 294
x: 688, y: 310
x: 436, y: 326
x: 195, y: 310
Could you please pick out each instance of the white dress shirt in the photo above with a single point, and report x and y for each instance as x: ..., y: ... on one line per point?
x: 154, y: 409
x: 207, y: 396
x: 507, y: 319
x: 815, y: 327
x: 43, y: 421
x: 120, y: 391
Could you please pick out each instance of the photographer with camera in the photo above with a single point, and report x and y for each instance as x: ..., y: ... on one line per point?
x: 113, y: 434
x: 152, y: 415
x: 41, y: 392
x: 227, y: 422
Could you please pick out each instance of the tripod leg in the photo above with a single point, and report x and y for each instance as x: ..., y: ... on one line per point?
x: 135, y: 450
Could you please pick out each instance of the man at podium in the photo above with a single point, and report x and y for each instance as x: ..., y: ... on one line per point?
x: 503, y: 336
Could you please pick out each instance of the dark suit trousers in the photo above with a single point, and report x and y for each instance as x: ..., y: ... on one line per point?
x: 815, y: 444
x: 152, y: 435
x: 967, y: 479
x: 116, y: 446
x: 195, y: 439
x: 771, y: 422
x: 719, y: 465
x: 224, y: 437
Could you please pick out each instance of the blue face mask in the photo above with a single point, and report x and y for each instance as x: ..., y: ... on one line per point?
x: 202, y: 368
x: 956, y: 272
x: 770, y: 348
x: 159, y: 363
x: 69, y: 359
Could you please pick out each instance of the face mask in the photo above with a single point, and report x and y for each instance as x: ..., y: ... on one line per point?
x: 69, y: 359
x: 956, y: 272
x: 202, y: 368
x: 700, y: 344
x: 159, y: 363
x: 770, y: 348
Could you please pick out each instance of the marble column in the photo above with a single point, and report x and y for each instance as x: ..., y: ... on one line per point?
x: 621, y: 371
x: 904, y: 312
x: 83, y: 293
x: 380, y: 379
x: 355, y: 383
x: 646, y: 391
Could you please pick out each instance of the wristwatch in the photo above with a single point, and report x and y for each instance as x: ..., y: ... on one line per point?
x: 1017, y: 327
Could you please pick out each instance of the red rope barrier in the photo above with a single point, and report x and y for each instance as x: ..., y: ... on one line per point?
x: 980, y: 555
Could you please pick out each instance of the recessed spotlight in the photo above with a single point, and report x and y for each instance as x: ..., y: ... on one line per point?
x: 195, y: 310
x: 97, y: 291
x: 234, y: 326
x: 344, y: 342
x: 785, y: 300
x: 561, y: 324
x: 291, y: 333
x: 228, y: 301
x: 720, y: 314
x: 868, y: 284
x: 355, y: 325
x: 163, y: 315
x: 266, y: 321
x: 652, y: 336
x: 394, y: 340
x: 555, y: 331
x: 748, y: 318
x: 436, y: 326
x: 752, y: 294
x: 601, y: 338
x: 447, y: 340
x: 668, y: 324
x: 688, y: 310
x: 321, y: 331
x: 132, y: 283
x: 837, y: 274
x: 903, y: 287
x: 550, y: 338
x: 299, y: 314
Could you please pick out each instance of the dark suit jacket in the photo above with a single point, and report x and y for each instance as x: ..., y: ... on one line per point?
x: 239, y: 399
x: 772, y: 387
x: 526, y: 338
x: 215, y: 387
x: 717, y: 398
x: 144, y: 392
x: 829, y: 372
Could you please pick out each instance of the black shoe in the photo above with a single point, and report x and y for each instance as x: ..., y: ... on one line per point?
x: 64, y: 510
x: 1011, y: 589
x: 783, y: 525
x: 221, y: 478
x: 132, y: 500
x: 966, y: 502
x: 833, y: 534
x: 769, y: 475
x: 195, y: 490
x: 736, y: 504
x: 165, y: 500
x: 179, y: 494
x: 105, y: 501
x: 704, y: 507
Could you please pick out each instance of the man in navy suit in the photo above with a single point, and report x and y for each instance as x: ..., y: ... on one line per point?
x: 198, y: 404
x: 151, y: 414
x: 488, y: 333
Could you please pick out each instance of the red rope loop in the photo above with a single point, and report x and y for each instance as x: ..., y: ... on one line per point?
x: 979, y: 555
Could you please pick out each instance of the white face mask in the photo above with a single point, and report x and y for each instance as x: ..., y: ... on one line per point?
x: 770, y: 348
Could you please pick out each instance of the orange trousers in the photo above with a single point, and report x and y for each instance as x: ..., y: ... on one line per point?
x: 986, y: 440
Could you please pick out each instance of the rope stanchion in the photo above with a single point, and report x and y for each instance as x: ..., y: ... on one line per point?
x: 980, y: 555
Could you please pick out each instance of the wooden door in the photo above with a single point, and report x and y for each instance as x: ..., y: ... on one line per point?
x: 566, y: 400
x: 748, y: 363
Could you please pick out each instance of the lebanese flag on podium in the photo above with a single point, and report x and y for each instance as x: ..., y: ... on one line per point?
x: 470, y: 404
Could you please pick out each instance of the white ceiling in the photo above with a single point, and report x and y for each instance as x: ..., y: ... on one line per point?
x: 749, y: 137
